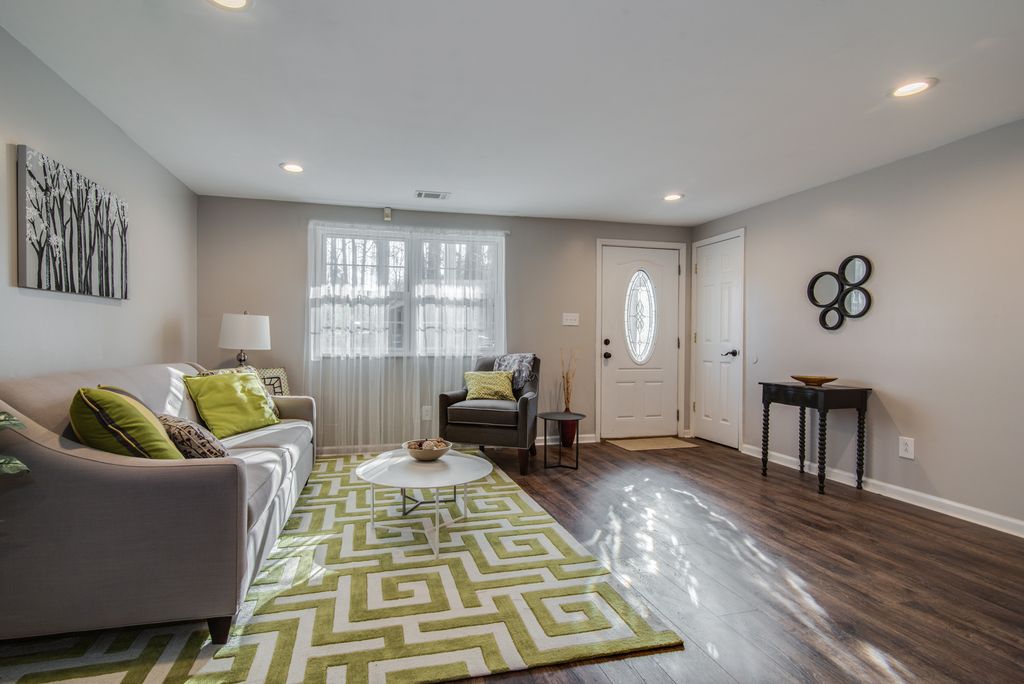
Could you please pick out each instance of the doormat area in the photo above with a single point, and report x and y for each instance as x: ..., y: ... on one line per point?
x: 339, y: 601
x: 651, y: 443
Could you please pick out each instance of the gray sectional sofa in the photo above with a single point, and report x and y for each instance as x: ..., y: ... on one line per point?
x: 91, y: 540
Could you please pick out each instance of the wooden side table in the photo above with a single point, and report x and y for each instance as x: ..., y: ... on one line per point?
x: 822, y: 399
x: 559, y: 417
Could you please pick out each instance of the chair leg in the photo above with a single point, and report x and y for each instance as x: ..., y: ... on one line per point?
x: 220, y: 628
x: 524, y: 461
x: 533, y: 449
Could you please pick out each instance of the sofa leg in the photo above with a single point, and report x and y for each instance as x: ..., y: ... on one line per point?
x: 524, y: 461
x: 220, y: 628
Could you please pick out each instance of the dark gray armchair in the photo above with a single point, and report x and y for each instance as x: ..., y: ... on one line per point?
x: 490, y: 422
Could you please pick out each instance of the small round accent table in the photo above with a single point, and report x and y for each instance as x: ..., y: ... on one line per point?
x: 398, y: 469
x: 559, y: 417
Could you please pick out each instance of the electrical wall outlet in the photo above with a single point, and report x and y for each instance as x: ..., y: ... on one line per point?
x: 907, y: 448
x: 570, y: 319
x: 425, y: 412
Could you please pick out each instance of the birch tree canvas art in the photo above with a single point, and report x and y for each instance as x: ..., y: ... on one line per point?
x: 72, y: 234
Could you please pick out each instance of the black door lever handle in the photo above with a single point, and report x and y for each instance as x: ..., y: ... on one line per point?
x: 732, y: 352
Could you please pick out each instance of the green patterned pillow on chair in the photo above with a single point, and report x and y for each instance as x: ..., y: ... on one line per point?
x: 489, y: 385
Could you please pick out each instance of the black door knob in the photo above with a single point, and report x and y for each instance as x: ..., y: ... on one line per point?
x: 607, y: 355
x: 732, y: 352
x: 607, y: 341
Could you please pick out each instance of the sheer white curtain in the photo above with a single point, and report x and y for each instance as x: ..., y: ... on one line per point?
x: 396, y: 316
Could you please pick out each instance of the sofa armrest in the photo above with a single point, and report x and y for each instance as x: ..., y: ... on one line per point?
x: 94, y: 540
x: 297, y: 407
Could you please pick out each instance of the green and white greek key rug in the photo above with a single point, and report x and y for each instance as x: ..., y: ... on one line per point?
x: 340, y: 602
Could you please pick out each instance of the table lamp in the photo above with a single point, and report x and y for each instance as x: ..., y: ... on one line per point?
x: 244, y: 331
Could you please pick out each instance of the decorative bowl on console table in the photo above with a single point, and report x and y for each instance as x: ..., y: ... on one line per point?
x: 814, y: 380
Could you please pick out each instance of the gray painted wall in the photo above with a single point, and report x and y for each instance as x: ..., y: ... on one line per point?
x: 44, y: 331
x: 252, y: 255
x: 941, y: 344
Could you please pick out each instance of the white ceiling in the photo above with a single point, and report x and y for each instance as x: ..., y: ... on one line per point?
x: 587, y: 109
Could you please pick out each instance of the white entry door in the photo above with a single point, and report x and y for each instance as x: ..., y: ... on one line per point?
x: 718, y: 353
x: 639, y: 341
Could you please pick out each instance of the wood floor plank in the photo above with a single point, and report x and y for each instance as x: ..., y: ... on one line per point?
x: 768, y: 581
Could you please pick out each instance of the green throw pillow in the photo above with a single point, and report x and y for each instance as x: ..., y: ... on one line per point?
x: 489, y: 385
x: 246, y: 369
x: 110, y: 419
x: 231, y: 403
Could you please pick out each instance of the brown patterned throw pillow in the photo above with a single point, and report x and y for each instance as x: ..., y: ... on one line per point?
x: 192, y: 439
x: 247, y: 369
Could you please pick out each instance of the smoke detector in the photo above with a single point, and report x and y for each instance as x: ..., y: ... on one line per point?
x: 432, y: 194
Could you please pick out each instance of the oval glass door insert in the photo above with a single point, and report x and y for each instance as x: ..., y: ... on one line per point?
x: 641, y: 317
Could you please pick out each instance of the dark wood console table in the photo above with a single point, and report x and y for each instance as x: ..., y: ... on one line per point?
x: 822, y: 399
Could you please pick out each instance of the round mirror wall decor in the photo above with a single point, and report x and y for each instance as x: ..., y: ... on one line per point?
x: 855, y: 270
x: 824, y: 289
x: 841, y: 295
x: 831, y: 318
x: 855, y: 302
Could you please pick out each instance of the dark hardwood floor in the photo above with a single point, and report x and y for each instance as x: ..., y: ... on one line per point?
x: 767, y: 581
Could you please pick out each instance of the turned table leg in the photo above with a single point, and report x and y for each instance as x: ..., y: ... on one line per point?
x: 803, y: 431
x: 822, y: 427
x: 764, y: 440
x: 861, y: 415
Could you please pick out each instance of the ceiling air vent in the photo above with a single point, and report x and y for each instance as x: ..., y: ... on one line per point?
x: 432, y: 194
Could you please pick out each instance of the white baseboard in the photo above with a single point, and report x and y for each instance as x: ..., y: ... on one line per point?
x: 584, y: 439
x: 996, y: 521
x: 377, y: 448
x: 688, y: 434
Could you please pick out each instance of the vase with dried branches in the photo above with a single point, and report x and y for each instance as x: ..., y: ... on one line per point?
x: 567, y: 428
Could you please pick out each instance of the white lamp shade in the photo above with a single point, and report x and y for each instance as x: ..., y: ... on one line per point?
x: 244, y: 331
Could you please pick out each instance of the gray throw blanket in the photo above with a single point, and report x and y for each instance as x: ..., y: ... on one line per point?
x: 521, y: 366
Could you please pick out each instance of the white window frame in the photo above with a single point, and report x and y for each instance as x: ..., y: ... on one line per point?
x: 415, y: 267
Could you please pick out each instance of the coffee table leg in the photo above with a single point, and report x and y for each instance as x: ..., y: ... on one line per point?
x: 437, y: 523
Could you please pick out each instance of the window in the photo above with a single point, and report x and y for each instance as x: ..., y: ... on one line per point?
x: 376, y: 293
x: 640, y: 317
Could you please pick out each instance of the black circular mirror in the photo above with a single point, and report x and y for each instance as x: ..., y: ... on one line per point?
x: 824, y: 289
x: 831, y: 318
x: 855, y: 270
x: 855, y: 302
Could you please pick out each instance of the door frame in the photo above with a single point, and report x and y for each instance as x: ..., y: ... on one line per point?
x: 680, y: 325
x: 740, y: 233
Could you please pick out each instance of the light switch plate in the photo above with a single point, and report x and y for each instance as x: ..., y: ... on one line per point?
x: 907, y: 448
x: 570, y: 319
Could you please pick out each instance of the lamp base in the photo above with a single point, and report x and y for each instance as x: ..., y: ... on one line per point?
x: 242, y: 359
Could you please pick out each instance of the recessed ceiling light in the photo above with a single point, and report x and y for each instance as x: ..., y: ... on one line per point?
x: 231, y: 4
x: 291, y: 167
x: 672, y: 197
x: 914, y: 87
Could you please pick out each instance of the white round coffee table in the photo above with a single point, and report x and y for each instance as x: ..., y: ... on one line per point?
x: 398, y: 469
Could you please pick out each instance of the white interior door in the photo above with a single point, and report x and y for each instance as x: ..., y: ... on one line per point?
x: 639, y: 341
x: 718, y: 353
